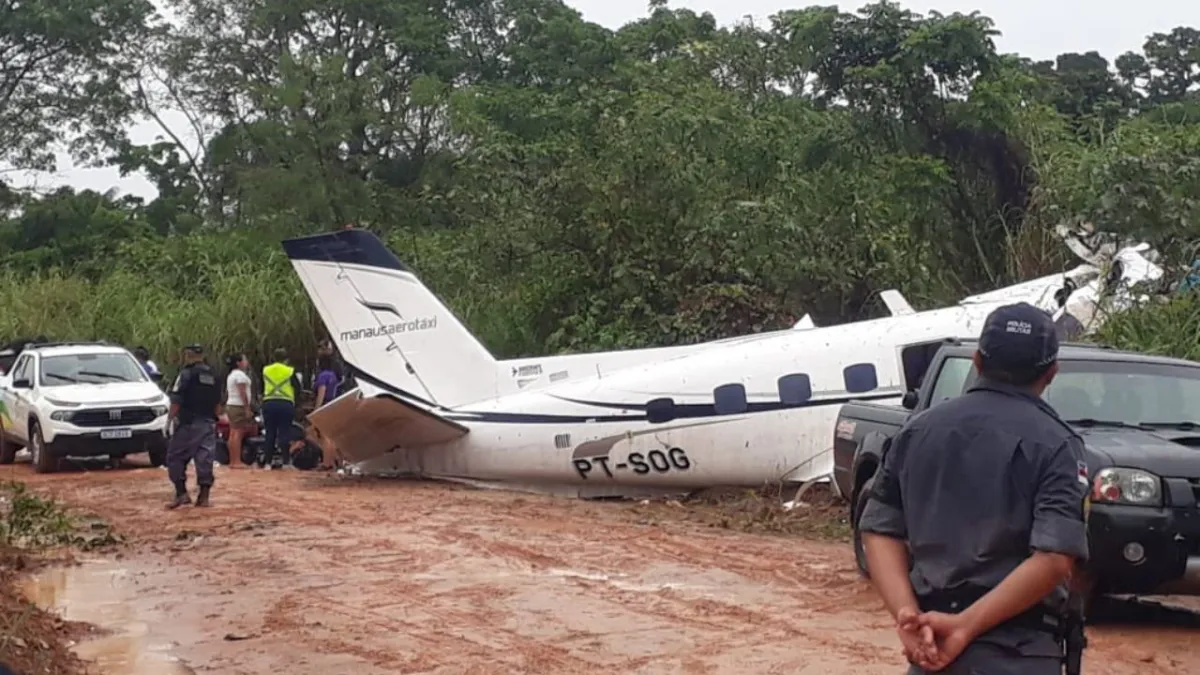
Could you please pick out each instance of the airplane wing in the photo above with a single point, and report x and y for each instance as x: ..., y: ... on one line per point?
x: 365, y: 427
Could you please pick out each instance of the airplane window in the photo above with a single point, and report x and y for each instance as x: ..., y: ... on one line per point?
x: 795, y: 389
x: 730, y: 399
x: 860, y: 378
x: 660, y: 410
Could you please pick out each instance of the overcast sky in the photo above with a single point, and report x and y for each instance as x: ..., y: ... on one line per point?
x: 1040, y: 29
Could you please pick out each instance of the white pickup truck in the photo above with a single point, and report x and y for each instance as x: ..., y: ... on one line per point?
x: 80, y: 400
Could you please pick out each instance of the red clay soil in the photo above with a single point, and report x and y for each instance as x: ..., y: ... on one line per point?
x: 32, y: 640
x: 308, y: 574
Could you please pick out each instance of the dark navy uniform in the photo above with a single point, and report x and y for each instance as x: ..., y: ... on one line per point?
x: 197, y: 392
x: 974, y: 484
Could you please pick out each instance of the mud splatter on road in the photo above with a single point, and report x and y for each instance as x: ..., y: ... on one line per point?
x: 300, y: 573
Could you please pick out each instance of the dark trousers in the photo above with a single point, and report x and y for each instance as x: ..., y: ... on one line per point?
x: 981, y: 657
x: 194, y: 441
x: 278, y: 416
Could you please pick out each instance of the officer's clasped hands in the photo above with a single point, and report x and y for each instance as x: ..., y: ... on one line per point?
x: 917, y: 640
x: 933, y: 640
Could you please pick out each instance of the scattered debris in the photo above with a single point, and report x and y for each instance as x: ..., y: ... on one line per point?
x: 28, y: 521
x: 821, y: 514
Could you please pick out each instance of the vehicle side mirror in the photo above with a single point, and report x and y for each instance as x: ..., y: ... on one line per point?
x: 156, y: 377
x: 22, y: 384
x: 910, y: 400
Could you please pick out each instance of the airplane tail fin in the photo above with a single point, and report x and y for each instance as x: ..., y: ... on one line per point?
x: 388, y: 326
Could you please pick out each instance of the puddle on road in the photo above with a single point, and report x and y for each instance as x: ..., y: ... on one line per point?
x: 99, y: 593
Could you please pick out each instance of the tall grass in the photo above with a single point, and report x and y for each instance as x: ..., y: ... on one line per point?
x: 247, y: 308
x: 234, y: 293
x: 237, y: 292
x: 1168, y: 328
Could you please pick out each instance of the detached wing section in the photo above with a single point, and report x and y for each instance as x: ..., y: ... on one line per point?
x: 364, y: 427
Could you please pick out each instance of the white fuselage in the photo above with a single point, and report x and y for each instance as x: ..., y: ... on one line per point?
x: 751, y: 410
x: 595, y: 430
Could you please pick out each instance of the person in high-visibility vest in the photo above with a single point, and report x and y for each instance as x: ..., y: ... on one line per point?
x: 280, y: 385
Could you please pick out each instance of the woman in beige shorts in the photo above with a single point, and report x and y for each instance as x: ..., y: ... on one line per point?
x: 239, y: 405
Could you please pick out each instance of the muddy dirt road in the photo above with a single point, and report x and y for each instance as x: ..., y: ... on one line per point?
x: 300, y: 573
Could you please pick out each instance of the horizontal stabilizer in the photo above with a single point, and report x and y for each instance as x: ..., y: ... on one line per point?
x: 896, y: 303
x: 363, y: 427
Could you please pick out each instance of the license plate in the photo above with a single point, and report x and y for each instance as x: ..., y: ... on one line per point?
x: 109, y: 434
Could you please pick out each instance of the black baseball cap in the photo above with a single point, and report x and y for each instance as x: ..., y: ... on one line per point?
x: 1018, y: 338
x: 194, y: 348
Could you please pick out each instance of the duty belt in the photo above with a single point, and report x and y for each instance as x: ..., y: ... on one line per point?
x: 1039, y: 617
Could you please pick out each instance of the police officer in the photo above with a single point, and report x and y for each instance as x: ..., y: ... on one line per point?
x: 988, y: 492
x: 196, y: 405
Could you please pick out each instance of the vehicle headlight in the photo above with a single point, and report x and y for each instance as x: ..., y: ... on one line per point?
x: 62, y: 415
x: 1127, y: 486
x: 159, y: 410
x: 61, y: 404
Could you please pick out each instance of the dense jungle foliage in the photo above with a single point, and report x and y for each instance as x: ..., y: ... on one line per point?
x: 568, y: 187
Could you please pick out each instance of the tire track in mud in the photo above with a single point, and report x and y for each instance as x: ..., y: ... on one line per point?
x: 674, y: 606
x: 435, y: 627
x: 439, y: 640
x: 396, y: 576
x: 682, y: 610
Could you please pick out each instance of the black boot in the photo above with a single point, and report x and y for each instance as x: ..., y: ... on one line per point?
x: 181, y: 496
x: 202, y: 499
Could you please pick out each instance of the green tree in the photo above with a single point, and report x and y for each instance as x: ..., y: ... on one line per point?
x: 62, y: 66
x: 568, y: 187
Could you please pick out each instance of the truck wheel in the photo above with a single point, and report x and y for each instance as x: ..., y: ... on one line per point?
x: 158, y: 457
x: 8, y: 449
x: 44, y: 461
x: 860, y: 503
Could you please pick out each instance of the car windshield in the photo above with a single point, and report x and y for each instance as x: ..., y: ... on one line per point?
x: 90, y: 369
x: 1127, y: 392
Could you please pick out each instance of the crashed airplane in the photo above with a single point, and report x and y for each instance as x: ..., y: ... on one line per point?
x: 432, y: 402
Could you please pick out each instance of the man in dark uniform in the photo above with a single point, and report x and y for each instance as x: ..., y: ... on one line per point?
x: 988, y: 492
x: 196, y: 404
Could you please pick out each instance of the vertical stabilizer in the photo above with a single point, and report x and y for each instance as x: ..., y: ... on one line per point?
x: 388, y: 326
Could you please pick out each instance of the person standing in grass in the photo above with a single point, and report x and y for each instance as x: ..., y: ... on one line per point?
x: 239, y: 405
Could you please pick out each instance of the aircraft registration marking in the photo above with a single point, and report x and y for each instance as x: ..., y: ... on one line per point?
x: 659, y: 461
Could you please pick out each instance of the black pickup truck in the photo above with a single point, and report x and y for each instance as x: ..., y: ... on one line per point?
x: 1139, y: 416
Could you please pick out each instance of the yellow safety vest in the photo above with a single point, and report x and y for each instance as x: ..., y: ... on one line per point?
x: 277, y: 383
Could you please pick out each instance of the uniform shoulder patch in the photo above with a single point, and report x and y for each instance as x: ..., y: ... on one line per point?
x: 1083, y: 474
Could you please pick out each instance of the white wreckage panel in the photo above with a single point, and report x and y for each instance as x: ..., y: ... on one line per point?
x: 1079, y: 299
